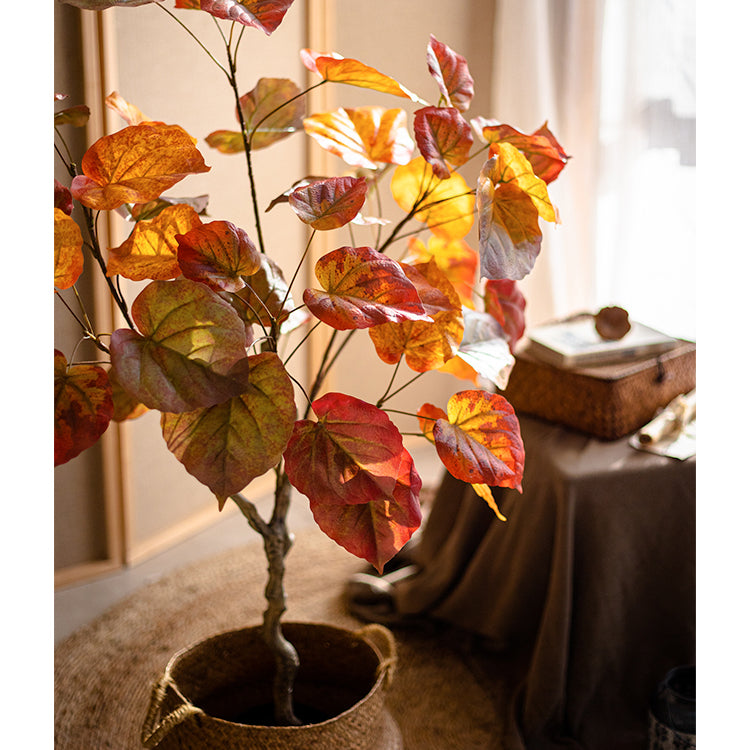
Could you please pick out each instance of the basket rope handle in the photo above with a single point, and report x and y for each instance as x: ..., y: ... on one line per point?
x: 382, y: 640
x: 155, y: 730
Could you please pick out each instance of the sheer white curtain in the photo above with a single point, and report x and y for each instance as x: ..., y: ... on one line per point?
x: 616, y: 81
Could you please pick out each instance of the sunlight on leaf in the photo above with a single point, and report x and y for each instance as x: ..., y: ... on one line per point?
x: 135, y: 165
x: 331, y: 203
x: 485, y: 348
x: 265, y: 15
x: 451, y: 72
x: 443, y: 137
x: 68, y: 250
x: 151, y: 250
x: 129, y: 112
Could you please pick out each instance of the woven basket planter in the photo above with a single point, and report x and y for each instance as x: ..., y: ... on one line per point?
x: 211, y: 692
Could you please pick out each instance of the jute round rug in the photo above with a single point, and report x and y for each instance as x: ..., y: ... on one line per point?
x: 104, y: 671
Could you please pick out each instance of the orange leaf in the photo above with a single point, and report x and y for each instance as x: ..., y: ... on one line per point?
x: 217, y: 254
x: 445, y: 206
x: 339, y: 69
x: 83, y: 407
x: 428, y: 414
x: 451, y: 72
x: 484, y: 491
x: 151, y: 250
x: 443, y: 137
x: 362, y: 288
x: 455, y: 258
x: 129, y: 112
x: 363, y: 137
x: 135, y: 165
x: 226, y: 141
x: 228, y: 445
x: 425, y: 346
x: 329, y: 204
x: 68, y: 254
x: 480, y: 441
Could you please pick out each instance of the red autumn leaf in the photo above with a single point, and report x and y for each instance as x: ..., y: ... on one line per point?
x: 68, y: 254
x: 443, y: 137
x: 331, y: 203
x: 135, y: 165
x: 363, y: 137
x: 455, y: 258
x: 151, y: 250
x: 425, y: 346
x: 63, y: 198
x: 228, y: 445
x: 83, y: 407
x: 479, y: 440
x: 217, y: 254
x: 265, y: 15
x: 362, y: 288
x: 451, y: 72
x: 504, y: 301
x: 126, y: 407
x: 541, y: 148
x: 352, y: 455
x: 189, y: 351
x: 377, y: 530
x: 339, y: 69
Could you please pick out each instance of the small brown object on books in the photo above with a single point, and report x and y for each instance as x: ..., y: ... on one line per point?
x: 612, y: 323
x: 606, y: 401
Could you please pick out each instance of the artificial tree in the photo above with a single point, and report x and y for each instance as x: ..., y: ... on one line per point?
x: 201, y: 341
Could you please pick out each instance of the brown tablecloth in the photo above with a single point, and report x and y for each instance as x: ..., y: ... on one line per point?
x: 591, y: 582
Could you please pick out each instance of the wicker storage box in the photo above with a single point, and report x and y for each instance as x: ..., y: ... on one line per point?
x: 607, y: 401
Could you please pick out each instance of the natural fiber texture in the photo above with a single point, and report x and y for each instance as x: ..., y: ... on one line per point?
x: 105, y: 671
x: 607, y: 401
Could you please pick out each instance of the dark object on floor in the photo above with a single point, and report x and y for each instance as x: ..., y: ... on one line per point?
x: 672, y: 714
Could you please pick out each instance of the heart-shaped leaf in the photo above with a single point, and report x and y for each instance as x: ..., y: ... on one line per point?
x: 272, y: 110
x: 451, y: 72
x: 352, y: 455
x: 68, y: 253
x: 445, y: 206
x: 455, y: 258
x: 443, y: 137
x: 135, y: 165
x: 331, y: 203
x: 479, y: 439
x: 228, y: 445
x: 541, y: 148
x: 377, y: 530
x: 425, y: 346
x: 362, y: 288
x: 265, y: 15
x: 83, y: 407
x: 510, y: 200
x: 339, y: 69
x: 151, y: 250
x: 218, y: 254
x: 504, y: 301
x: 190, y: 351
x: 363, y: 137
x: 77, y: 116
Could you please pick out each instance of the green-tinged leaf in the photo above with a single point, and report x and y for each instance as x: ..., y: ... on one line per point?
x: 269, y: 111
x: 363, y: 137
x: 479, y: 440
x: 425, y: 346
x: 151, y: 250
x: 135, y: 165
x: 443, y: 137
x: 68, y: 250
x: 339, y: 69
x: 331, y: 203
x: 377, y: 530
x: 504, y: 301
x: 228, y: 445
x: 217, y: 254
x: 265, y: 15
x: 362, y: 288
x: 445, y: 206
x: 83, y: 407
x: 190, y: 351
x: 226, y: 141
x: 76, y: 116
x: 352, y: 455
x: 451, y: 72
